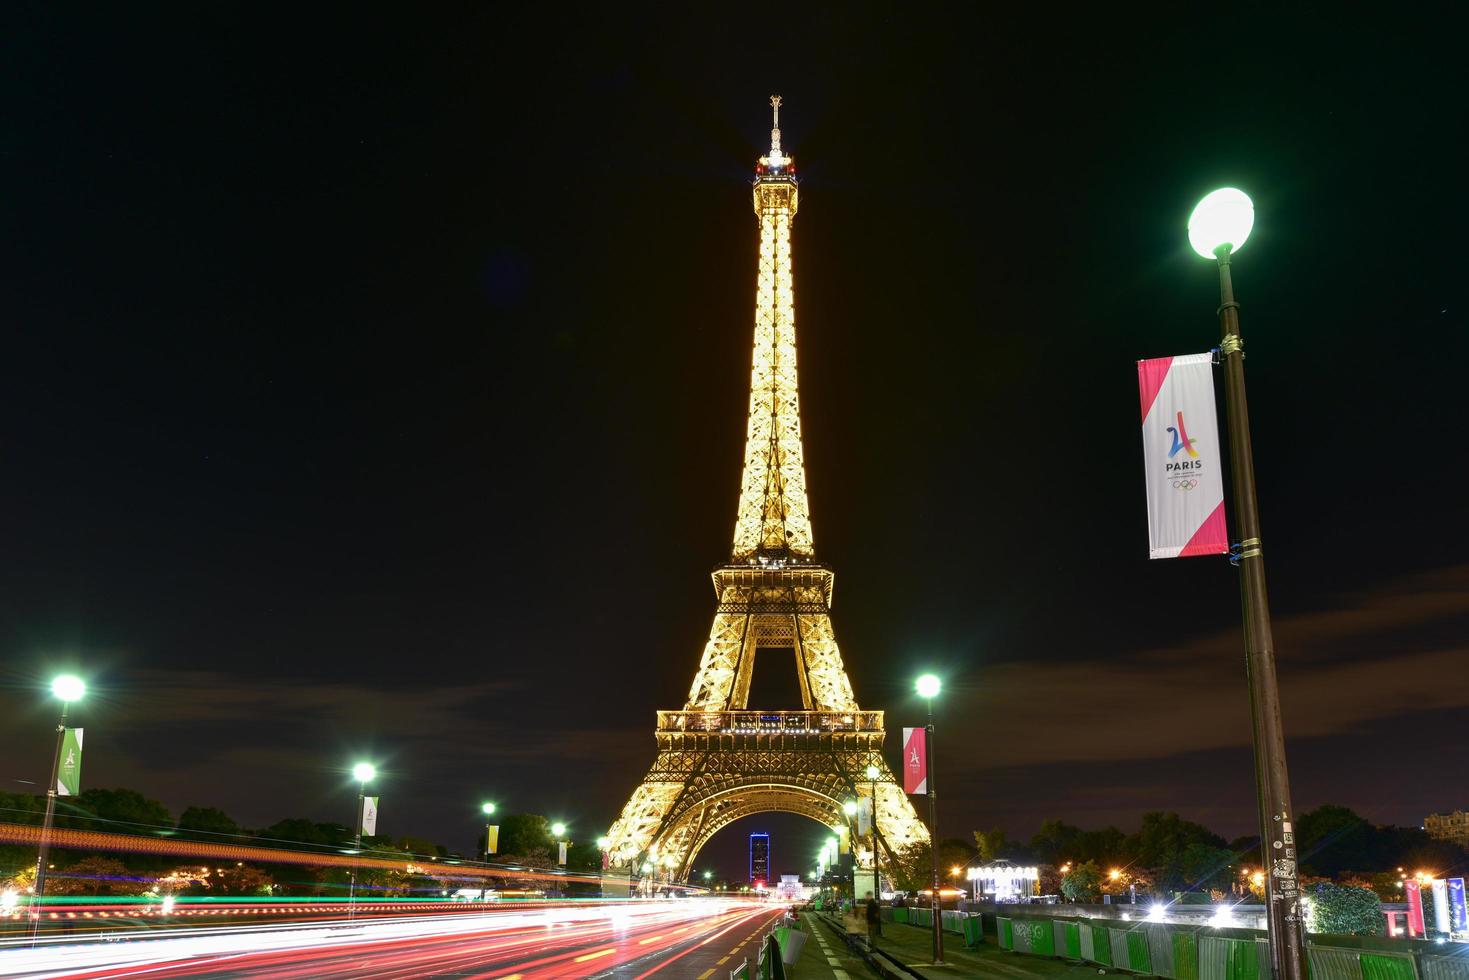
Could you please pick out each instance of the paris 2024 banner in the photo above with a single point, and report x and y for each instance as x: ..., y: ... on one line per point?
x: 1181, y: 457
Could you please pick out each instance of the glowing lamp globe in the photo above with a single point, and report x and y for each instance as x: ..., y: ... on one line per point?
x: 1222, y: 218
x: 928, y: 686
x: 364, y: 772
x: 487, y: 808
x: 603, y: 843
x: 68, y: 687
x: 558, y: 829
x: 872, y: 772
x: 850, y: 808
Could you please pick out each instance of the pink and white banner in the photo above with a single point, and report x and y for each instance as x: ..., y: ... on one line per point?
x: 1181, y: 457
x: 915, y: 762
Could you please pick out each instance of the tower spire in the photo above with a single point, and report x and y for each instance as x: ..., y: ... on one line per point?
x: 776, y: 159
x: 774, y: 523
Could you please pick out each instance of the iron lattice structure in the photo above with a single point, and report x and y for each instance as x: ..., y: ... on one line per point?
x: 717, y: 760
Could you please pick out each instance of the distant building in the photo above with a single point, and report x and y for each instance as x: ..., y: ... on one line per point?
x: 759, y: 858
x: 1448, y: 826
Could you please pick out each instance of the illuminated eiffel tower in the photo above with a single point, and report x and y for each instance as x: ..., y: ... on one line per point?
x: 717, y: 759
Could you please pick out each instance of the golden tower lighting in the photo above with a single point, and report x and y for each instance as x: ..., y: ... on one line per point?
x: 717, y: 759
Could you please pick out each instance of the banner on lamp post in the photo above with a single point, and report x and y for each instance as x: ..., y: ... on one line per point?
x: 69, y: 765
x: 561, y: 852
x: 369, y: 815
x: 1181, y: 467
x: 492, y: 838
x: 1458, y: 912
x: 1415, y: 909
x: 864, y: 816
x: 915, y: 762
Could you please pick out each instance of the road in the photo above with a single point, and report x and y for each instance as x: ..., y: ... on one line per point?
x: 694, y: 939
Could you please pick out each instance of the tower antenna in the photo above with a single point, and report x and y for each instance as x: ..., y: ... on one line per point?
x: 775, y: 127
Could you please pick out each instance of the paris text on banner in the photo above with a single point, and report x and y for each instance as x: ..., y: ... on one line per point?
x: 69, y: 772
x: 1181, y: 464
x: 915, y: 762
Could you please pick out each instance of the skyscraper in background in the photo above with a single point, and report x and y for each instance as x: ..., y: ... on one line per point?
x: 759, y: 858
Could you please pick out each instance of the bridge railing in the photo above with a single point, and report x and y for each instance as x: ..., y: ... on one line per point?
x: 773, y: 722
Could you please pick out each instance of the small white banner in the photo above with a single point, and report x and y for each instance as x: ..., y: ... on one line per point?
x: 369, y: 815
x: 1181, y: 457
x: 864, y: 816
x: 561, y: 852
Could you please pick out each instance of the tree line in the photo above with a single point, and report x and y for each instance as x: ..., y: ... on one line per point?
x: 1169, y: 855
x: 524, y: 841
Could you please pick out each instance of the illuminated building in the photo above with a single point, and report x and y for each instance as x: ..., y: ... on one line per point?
x: 718, y: 760
x: 759, y: 858
x: 1448, y: 826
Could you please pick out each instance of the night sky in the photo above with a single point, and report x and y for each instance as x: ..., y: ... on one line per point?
x: 375, y: 386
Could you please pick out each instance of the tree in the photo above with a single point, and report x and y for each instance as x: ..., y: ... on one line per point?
x: 527, y: 836
x: 1163, y: 841
x: 1343, y: 910
x: 990, y: 844
x: 1083, y: 883
x: 96, y: 875
x: 1054, y: 842
x: 1331, y: 839
x: 123, y: 811
x: 206, y: 823
x: 1207, y: 867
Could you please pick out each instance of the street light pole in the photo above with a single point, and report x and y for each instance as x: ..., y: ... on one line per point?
x: 933, y: 830
x: 1220, y: 224
x: 68, y: 689
x: 872, y: 773
x: 928, y: 687
x: 364, y: 772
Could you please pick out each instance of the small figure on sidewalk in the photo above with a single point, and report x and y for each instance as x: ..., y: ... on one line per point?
x: 874, y: 916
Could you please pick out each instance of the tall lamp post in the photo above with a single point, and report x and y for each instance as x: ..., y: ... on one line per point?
x: 849, y: 810
x: 872, y: 773
x: 364, y: 773
x: 66, y: 689
x: 928, y: 687
x: 488, y: 809
x: 1218, y: 227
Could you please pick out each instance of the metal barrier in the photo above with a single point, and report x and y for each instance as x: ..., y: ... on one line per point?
x: 1193, y: 952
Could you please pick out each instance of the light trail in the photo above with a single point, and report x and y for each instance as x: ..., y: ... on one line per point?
x: 539, y: 943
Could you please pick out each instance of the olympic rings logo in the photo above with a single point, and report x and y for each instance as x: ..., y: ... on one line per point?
x: 1185, y: 484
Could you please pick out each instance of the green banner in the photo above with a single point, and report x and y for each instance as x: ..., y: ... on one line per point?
x: 69, y: 766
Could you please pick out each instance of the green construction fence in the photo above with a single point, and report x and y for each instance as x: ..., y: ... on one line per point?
x: 1192, y: 952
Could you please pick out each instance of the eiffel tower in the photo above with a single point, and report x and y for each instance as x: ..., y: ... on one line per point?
x: 718, y: 760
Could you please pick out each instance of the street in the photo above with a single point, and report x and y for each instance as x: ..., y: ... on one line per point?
x: 676, y: 940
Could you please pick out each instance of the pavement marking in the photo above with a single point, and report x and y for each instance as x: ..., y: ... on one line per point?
x: 736, y: 949
x: 650, y: 939
x: 721, y: 962
x: 706, y: 974
x: 601, y: 952
x: 842, y: 975
x: 833, y: 961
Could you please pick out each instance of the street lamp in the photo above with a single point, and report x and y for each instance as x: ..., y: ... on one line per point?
x: 66, y: 688
x: 928, y: 687
x: 364, y: 773
x: 1219, y: 226
x: 849, y: 808
x: 872, y: 773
